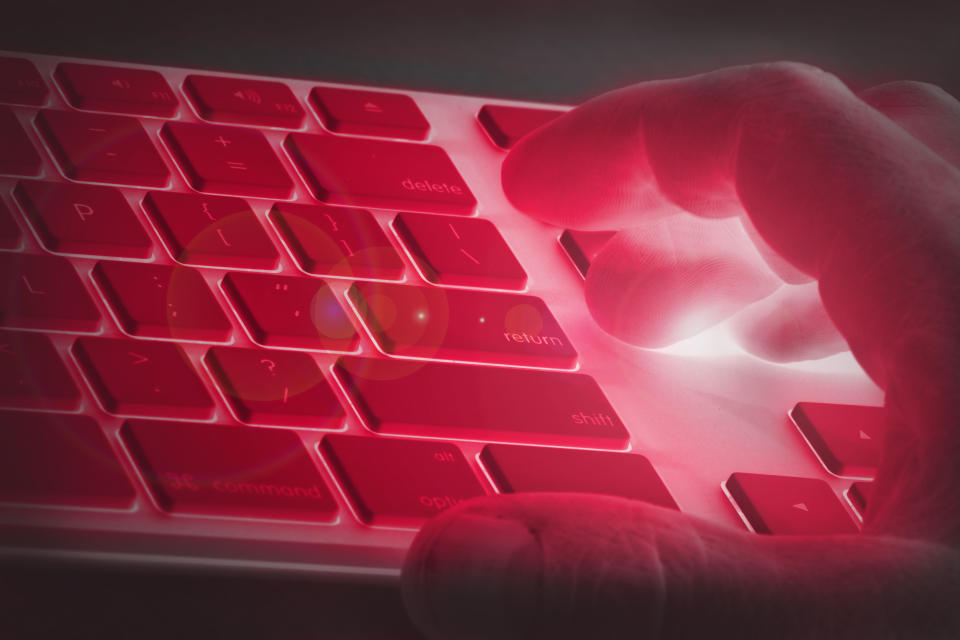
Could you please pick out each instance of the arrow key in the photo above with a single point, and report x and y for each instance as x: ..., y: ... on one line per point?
x: 785, y: 505
x: 846, y: 438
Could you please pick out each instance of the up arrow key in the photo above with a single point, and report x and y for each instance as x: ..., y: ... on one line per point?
x: 802, y: 506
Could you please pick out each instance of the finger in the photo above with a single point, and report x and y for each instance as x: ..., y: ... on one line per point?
x: 518, y: 567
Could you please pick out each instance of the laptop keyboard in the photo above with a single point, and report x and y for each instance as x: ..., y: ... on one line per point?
x: 269, y: 305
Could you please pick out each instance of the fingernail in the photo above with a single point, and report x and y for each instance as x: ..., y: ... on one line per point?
x: 473, y: 577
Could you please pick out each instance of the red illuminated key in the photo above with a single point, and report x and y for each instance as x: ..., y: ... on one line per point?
x: 287, y: 311
x: 159, y: 301
x: 517, y: 469
x: 282, y: 388
x: 371, y: 113
x: 244, y: 101
x: 84, y: 219
x: 460, y: 251
x: 857, y: 495
x: 143, y: 378
x: 222, y: 470
x: 784, y: 505
x: 582, y: 247
x: 211, y: 230
x: 394, y: 482
x: 44, y: 292
x: 20, y: 82
x: 32, y: 375
x: 380, y: 174
x: 506, y: 125
x: 9, y: 230
x: 17, y: 155
x: 58, y: 459
x: 99, y: 148
x: 229, y: 160
x: 335, y: 241
x: 116, y: 89
x: 480, y: 403
x: 846, y: 438
x: 453, y: 324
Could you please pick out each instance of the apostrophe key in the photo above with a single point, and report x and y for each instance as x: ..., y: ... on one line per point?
x: 93, y: 147
x: 211, y: 230
x: 44, y: 292
x: 454, y: 324
x: 583, y: 246
x: 143, y: 378
x: 371, y: 113
x: 32, y: 375
x: 20, y: 83
x: 160, y: 301
x: 846, y: 438
x: 506, y: 125
x: 440, y: 400
x: 785, y: 505
x: 271, y: 387
x: 83, y: 219
x: 857, y: 495
x: 452, y: 250
x: 244, y: 101
x: 335, y: 241
x: 380, y: 174
x: 17, y: 155
x: 228, y: 470
x: 228, y: 160
x: 394, y: 482
x: 9, y: 231
x: 292, y: 312
x: 55, y: 459
x: 517, y: 469
x: 116, y: 89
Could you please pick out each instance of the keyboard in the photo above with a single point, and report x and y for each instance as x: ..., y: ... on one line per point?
x: 279, y: 323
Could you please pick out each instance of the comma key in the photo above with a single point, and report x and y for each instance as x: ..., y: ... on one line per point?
x: 395, y: 482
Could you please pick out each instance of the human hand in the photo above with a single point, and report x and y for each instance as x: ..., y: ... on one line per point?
x: 864, y: 199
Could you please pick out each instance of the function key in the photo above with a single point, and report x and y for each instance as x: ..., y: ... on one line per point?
x: 116, y: 89
x: 228, y: 470
x: 582, y: 247
x: 846, y: 438
x: 506, y: 125
x: 93, y: 147
x: 9, y: 230
x: 371, y: 113
x: 55, y: 459
x: 243, y: 101
x: 380, y: 174
x: 32, y: 375
x: 17, y: 155
x: 20, y: 82
x: 393, y: 482
x: 44, y: 292
x: 785, y: 505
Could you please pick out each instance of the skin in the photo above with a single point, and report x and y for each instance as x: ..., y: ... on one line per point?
x: 858, y: 193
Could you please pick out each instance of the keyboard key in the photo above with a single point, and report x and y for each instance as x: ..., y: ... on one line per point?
x: 506, y: 125
x: 453, y: 324
x: 380, y: 174
x: 277, y: 388
x: 784, y: 505
x: 44, y: 292
x: 227, y: 160
x: 211, y: 231
x: 480, y: 403
x: 59, y: 459
x: 582, y: 247
x: 116, y: 89
x: 92, y: 147
x: 370, y: 113
x: 232, y: 471
x: 17, y: 155
x: 32, y: 375
x: 846, y: 438
x: 857, y: 495
x: 20, y: 82
x: 83, y: 219
x: 394, y: 482
x: 244, y: 101
x: 287, y: 311
x: 516, y: 469
x: 160, y: 301
x: 335, y: 241
x: 9, y: 230
x: 467, y: 252
x: 143, y: 378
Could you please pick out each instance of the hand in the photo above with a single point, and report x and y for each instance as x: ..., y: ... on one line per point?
x: 864, y: 199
